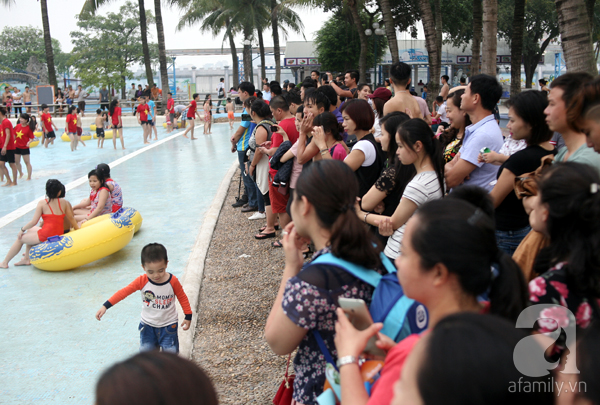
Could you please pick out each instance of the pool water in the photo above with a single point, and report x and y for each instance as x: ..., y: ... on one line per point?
x: 53, y: 347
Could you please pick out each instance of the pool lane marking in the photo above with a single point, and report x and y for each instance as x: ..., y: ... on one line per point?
x: 19, y: 212
x: 194, y: 269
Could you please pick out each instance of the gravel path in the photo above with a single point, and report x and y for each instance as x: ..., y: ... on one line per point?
x: 235, y: 299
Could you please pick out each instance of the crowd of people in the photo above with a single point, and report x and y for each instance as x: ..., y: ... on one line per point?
x: 480, y: 227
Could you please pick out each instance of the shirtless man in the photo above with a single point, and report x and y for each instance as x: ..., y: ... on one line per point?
x: 27, y: 98
x: 402, y: 101
x: 445, y: 88
x: 6, y: 93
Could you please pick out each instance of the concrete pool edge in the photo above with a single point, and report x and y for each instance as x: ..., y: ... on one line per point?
x: 194, y: 269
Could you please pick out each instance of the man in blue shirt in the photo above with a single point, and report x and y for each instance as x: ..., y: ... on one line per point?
x: 251, y: 200
x: 152, y: 116
x: 480, y: 97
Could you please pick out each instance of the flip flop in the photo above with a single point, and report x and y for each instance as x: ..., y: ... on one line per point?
x: 265, y: 227
x: 277, y: 244
x: 261, y: 236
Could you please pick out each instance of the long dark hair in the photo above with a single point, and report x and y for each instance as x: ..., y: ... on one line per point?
x: 571, y: 193
x: 530, y: 106
x: 451, y: 133
x: 479, y: 349
x: 30, y: 121
x: 113, y: 105
x: 331, y: 187
x: 330, y: 124
x: 154, y: 378
x: 415, y: 130
x: 54, y: 189
x: 470, y: 253
x: 404, y: 173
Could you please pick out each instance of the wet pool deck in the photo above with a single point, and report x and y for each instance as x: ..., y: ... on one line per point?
x: 52, y: 347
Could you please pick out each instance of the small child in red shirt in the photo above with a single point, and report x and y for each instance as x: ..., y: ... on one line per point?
x: 158, y: 328
x: 192, y: 112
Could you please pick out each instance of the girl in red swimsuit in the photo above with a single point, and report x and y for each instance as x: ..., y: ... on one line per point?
x: 53, y: 211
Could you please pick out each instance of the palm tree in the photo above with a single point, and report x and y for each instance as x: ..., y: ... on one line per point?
x: 433, y: 44
x: 91, y: 6
x: 162, y: 54
x: 576, y: 37
x: 477, y: 33
x: 362, y: 59
x: 281, y: 17
x: 516, y: 47
x: 390, y: 29
x: 490, y: 37
x: 47, y: 40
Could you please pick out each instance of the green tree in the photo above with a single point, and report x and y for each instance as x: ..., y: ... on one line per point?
x: 20, y: 43
x: 340, y: 29
x: 107, y: 46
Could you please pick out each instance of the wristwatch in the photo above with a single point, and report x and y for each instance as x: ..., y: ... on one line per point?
x: 342, y: 361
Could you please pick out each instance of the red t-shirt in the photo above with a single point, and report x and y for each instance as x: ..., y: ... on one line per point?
x: 47, y: 120
x: 192, y: 110
x: 143, y: 110
x: 289, y: 126
x: 170, y: 106
x: 383, y: 389
x: 11, y: 143
x: 72, y: 123
x: 115, y: 116
x: 22, y: 136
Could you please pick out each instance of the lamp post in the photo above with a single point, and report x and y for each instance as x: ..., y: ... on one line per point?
x: 375, y: 32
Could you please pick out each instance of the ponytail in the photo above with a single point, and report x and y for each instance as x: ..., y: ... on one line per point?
x: 30, y: 121
x: 508, y: 293
x: 331, y: 187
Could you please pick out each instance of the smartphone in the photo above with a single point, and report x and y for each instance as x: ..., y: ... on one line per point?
x: 274, y: 128
x: 246, y: 117
x: 358, y: 313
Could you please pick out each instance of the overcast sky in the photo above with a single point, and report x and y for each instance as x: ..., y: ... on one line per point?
x: 62, y: 16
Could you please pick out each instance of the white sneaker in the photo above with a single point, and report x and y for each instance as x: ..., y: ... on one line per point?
x: 258, y: 215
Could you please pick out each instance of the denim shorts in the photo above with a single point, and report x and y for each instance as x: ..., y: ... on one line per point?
x: 164, y: 338
x: 508, y: 241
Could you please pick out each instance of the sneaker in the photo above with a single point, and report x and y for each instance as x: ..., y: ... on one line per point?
x: 249, y: 209
x: 258, y: 215
x: 239, y: 203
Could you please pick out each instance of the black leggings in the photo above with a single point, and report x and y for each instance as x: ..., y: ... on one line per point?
x: 267, y: 200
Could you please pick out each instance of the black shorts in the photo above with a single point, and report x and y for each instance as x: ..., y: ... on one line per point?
x: 145, y: 122
x: 50, y: 135
x: 9, y: 157
x: 150, y: 122
x: 81, y: 105
x: 24, y: 151
x: 100, y: 132
x: 104, y: 105
x: 116, y: 126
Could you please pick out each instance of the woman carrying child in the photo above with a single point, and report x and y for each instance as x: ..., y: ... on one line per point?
x: 99, y: 200
x: 23, y: 137
x: 53, y: 211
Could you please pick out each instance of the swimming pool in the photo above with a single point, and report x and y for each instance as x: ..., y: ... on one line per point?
x: 53, y: 346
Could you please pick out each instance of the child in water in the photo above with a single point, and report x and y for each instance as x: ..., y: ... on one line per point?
x: 230, y: 114
x: 158, y: 328
x: 100, y: 128
x: 99, y: 200
x: 116, y: 195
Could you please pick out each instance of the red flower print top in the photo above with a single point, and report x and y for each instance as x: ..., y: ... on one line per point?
x: 552, y: 288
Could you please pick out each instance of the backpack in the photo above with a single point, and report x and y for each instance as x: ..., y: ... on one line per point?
x: 400, y: 315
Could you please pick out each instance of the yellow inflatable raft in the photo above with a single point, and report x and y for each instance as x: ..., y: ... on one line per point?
x: 38, y: 134
x: 136, y: 219
x: 33, y: 144
x: 93, y: 127
x: 178, y: 124
x: 101, y: 237
x: 66, y: 138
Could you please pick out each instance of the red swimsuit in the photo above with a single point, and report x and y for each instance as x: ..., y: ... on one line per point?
x: 53, y: 224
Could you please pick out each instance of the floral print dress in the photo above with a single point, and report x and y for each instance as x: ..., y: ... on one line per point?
x: 552, y: 288
x: 310, y: 300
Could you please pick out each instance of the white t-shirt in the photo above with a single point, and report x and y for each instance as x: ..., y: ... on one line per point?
x: 422, y: 188
x: 368, y: 149
x: 442, y: 112
x: 17, y: 98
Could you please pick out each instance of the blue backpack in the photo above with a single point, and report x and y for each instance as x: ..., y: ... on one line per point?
x: 400, y: 315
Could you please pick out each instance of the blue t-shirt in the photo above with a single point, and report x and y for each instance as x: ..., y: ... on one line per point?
x: 242, y: 144
x: 485, y: 134
x: 151, y: 112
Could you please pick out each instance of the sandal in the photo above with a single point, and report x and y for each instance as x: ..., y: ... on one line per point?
x: 261, y: 236
x: 265, y: 227
x: 277, y: 244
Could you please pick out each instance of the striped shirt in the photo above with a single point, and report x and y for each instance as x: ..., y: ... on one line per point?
x: 422, y: 188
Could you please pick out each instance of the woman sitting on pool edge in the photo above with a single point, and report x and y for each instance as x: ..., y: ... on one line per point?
x: 99, y: 200
x: 52, y: 211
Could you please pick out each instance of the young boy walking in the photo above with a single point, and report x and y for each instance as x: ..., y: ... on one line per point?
x: 47, y: 126
x: 230, y: 114
x: 192, y: 113
x: 100, y: 128
x: 158, y: 328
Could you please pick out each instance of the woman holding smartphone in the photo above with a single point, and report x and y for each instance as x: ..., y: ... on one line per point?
x: 322, y: 212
